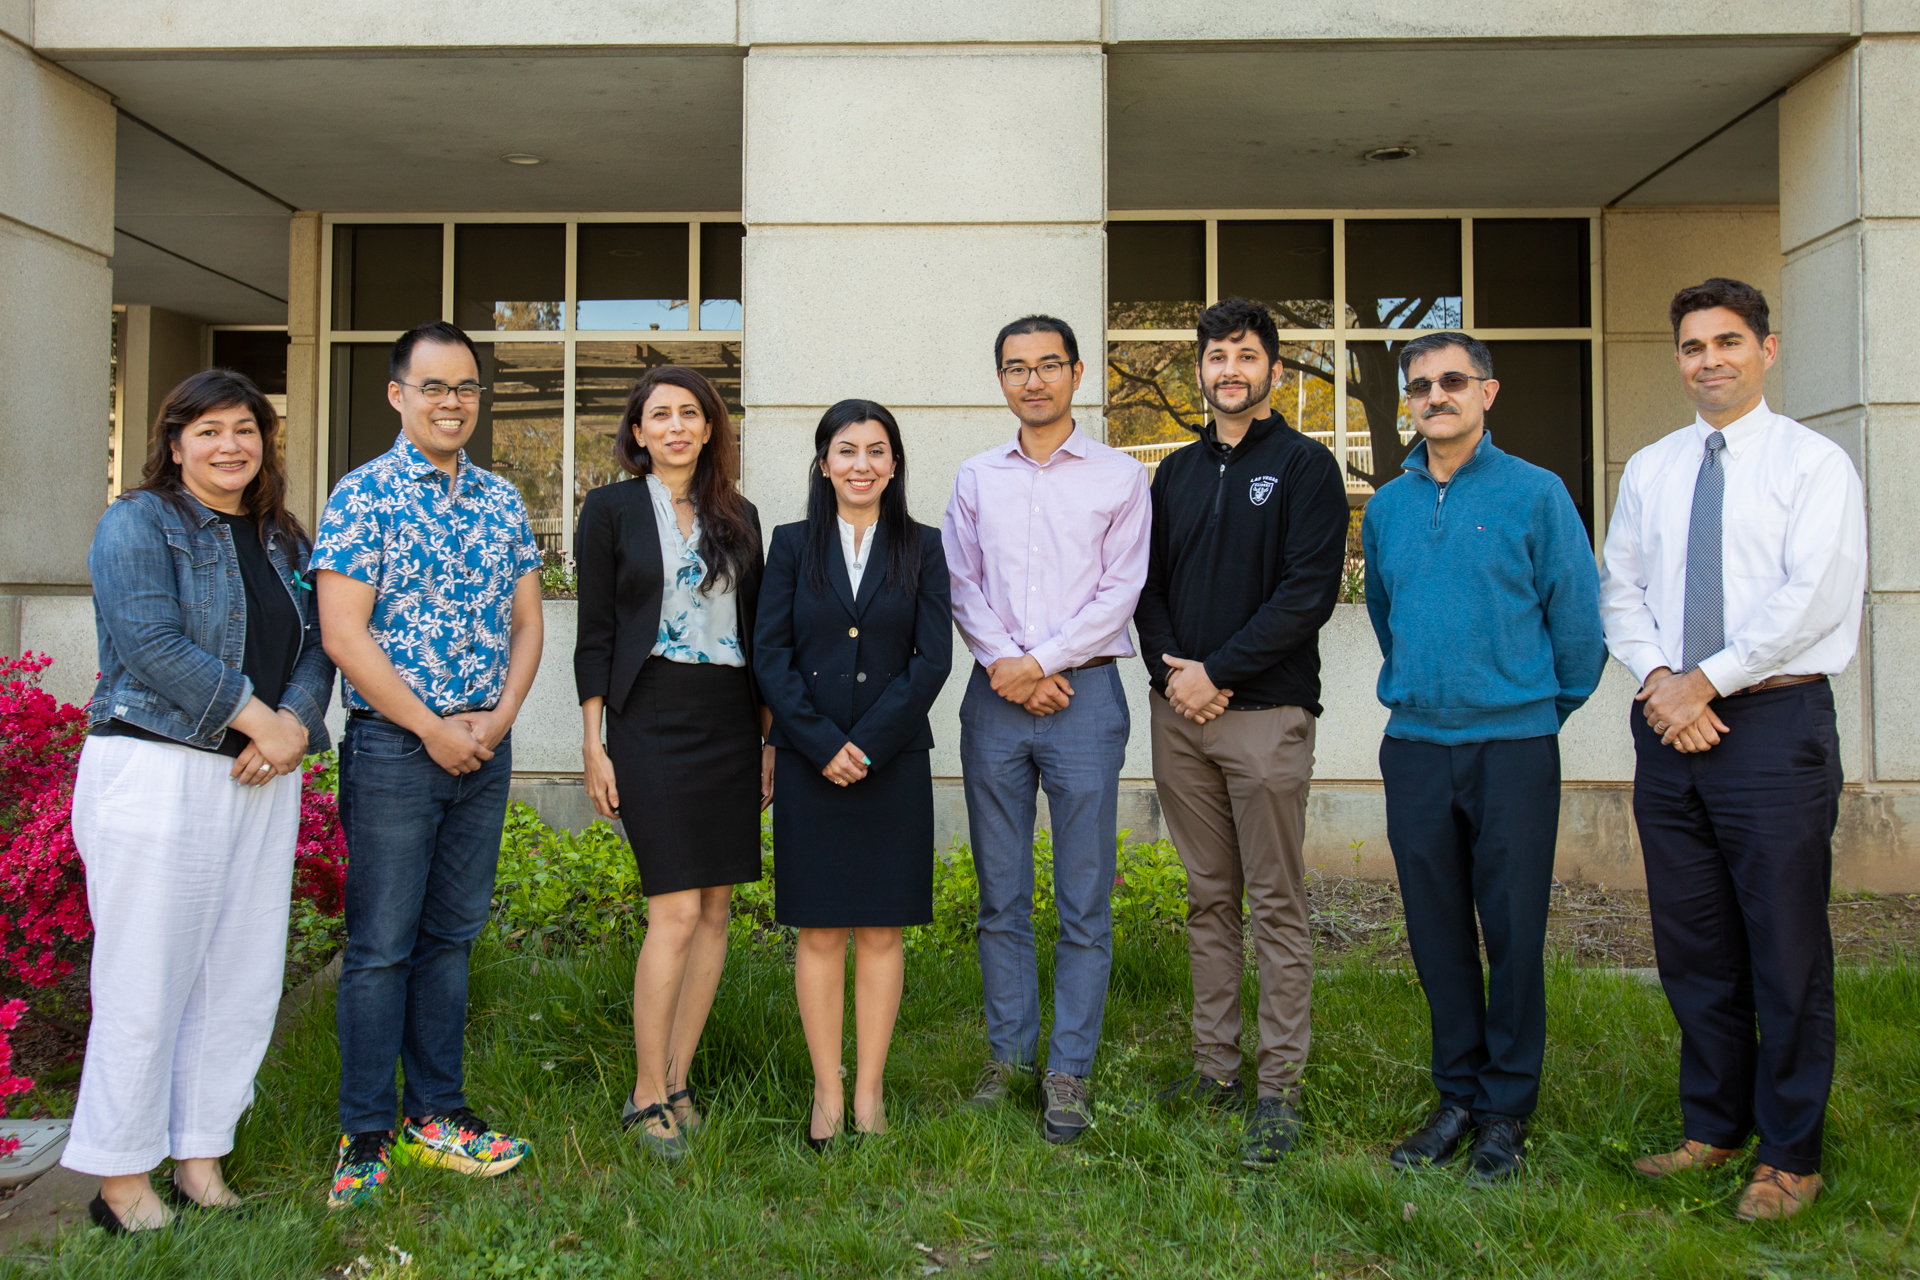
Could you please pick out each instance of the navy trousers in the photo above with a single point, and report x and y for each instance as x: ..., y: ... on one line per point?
x: 1738, y: 843
x: 1473, y: 829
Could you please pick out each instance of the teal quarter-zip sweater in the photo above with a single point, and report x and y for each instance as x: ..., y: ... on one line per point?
x: 1485, y: 599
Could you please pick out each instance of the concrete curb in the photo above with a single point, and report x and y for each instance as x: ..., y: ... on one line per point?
x: 58, y: 1199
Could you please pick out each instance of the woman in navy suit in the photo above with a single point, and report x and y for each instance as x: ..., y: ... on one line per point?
x: 853, y: 641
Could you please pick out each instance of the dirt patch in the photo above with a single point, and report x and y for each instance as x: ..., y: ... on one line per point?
x: 1591, y: 925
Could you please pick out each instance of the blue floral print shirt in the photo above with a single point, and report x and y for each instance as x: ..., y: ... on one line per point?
x: 443, y: 560
x: 693, y: 627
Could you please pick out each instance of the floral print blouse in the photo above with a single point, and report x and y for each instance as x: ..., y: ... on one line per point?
x: 693, y: 627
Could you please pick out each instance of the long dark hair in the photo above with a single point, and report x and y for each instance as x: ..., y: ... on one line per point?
x: 727, y: 540
x: 265, y: 497
x: 823, y: 505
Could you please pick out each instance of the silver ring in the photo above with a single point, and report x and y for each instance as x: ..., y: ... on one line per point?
x: 265, y: 767
x: 1661, y: 727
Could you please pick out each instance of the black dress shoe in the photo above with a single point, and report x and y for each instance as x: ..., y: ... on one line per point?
x: 1435, y: 1142
x: 1496, y: 1151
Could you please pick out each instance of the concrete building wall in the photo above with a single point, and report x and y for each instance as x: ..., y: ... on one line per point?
x: 56, y: 234
x: 304, y: 464
x: 158, y: 348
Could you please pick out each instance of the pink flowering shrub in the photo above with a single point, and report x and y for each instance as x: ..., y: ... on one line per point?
x: 320, y: 856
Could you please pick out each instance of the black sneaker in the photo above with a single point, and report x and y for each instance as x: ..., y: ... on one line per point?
x: 1496, y: 1151
x: 1270, y: 1132
x: 1065, y: 1113
x: 1212, y: 1094
x: 1436, y: 1141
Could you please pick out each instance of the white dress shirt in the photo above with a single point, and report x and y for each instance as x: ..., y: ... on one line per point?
x: 1794, y: 553
x: 856, y: 559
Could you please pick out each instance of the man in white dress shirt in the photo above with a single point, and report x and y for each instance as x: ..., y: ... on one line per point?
x: 1735, y: 566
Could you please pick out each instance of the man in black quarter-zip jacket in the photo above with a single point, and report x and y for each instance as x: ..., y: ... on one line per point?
x: 1248, y: 545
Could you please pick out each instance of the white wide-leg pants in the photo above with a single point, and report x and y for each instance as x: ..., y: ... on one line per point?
x: 189, y: 876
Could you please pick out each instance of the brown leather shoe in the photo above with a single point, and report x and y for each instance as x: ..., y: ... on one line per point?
x: 1691, y: 1155
x: 1775, y: 1193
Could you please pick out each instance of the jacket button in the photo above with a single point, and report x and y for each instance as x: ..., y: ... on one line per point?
x: 853, y: 631
x: 862, y: 677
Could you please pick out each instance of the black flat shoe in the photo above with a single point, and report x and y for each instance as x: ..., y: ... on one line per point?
x: 1496, y: 1152
x: 106, y: 1219
x: 170, y: 1192
x: 1436, y: 1141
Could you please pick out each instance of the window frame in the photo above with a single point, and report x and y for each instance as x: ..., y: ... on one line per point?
x: 568, y: 336
x: 1340, y: 333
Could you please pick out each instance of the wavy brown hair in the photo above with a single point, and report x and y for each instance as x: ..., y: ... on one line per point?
x: 209, y: 391
x: 728, y: 543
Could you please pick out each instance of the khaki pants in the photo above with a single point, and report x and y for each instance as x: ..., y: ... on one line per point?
x: 1234, y: 795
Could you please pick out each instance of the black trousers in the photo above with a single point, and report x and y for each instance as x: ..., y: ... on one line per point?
x: 1473, y: 829
x: 1738, y: 843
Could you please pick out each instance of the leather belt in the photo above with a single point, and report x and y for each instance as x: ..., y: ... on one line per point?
x: 358, y: 713
x: 1775, y: 682
x: 1091, y: 663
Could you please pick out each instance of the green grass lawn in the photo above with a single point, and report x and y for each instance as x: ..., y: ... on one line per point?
x: 947, y: 1192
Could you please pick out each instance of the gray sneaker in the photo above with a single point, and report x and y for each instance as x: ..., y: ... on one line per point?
x: 1065, y: 1112
x: 635, y: 1120
x: 1269, y: 1134
x: 998, y: 1080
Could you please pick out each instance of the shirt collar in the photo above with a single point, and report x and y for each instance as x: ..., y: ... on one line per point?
x: 1739, y: 433
x: 1075, y: 444
x: 415, y: 465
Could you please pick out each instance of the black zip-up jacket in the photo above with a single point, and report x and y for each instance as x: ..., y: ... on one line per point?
x: 1246, y: 556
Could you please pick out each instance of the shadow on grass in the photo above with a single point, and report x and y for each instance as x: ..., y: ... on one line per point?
x: 1143, y: 1194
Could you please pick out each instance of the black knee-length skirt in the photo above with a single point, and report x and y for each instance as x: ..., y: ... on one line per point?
x: 853, y: 857
x: 686, y: 757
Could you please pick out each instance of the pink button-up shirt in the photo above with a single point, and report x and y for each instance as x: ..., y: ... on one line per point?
x: 1048, y: 559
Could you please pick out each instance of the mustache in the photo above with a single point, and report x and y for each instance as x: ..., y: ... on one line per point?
x: 1435, y: 411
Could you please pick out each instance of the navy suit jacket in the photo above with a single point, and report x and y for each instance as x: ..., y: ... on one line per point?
x: 835, y: 668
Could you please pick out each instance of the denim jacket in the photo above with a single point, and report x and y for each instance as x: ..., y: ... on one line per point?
x: 170, y: 612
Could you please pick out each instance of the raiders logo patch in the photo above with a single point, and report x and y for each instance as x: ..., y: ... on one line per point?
x: 1261, y: 489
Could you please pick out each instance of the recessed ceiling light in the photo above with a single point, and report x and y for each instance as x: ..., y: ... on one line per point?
x: 1392, y: 153
x: 522, y: 157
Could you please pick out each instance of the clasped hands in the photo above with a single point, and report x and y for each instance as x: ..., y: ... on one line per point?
x: 1022, y: 682
x: 1676, y: 709
x: 1191, y: 691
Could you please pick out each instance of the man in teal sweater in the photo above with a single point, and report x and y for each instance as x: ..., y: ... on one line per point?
x: 1483, y: 592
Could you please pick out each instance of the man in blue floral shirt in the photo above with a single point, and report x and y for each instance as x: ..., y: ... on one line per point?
x: 429, y: 589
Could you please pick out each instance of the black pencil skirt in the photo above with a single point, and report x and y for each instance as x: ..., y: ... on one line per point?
x: 686, y: 757
x: 858, y: 857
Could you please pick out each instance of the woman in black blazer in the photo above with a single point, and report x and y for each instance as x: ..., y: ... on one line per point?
x: 670, y: 567
x: 853, y: 641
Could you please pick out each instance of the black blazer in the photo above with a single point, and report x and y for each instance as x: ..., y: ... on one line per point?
x: 835, y: 669
x: 616, y: 553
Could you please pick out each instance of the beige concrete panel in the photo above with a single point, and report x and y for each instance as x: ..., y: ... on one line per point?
x: 62, y: 628
x: 1347, y: 742
x: 16, y: 19
x: 547, y: 732
x: 1889, y: 72
x: 1895, y: 625
x: 303, y: 363
x: 1596, y: 744
x: 1848, y: 694
x: 1822, y: 289
x: 1820, y: 153
x: 68, y: 26
x: 925, y: 22
x: 1848, y: 429
x: 1890, y: 267
x: 55, y: 336
x: 56, y: 152
x: 1223, y: 20
x: 1653, y: 254
x: 1890, y: 16
x: 907, y: 315
x: 918, y: 136
x: 1893, y: 535
x: 1644, y: 397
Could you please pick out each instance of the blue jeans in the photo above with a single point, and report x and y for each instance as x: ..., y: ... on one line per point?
x: 422, y: 846
x: 1076, y: 754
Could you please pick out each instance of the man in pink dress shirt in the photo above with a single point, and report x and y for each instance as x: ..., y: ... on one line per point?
x: 1046, y: 541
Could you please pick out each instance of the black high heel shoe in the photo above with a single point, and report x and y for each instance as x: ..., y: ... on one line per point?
x: 821, y: 1144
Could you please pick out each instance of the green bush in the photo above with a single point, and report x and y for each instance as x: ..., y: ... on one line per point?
x: 557, y: 887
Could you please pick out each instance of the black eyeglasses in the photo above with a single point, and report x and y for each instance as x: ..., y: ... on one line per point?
x: 1451, y: 383
x: 467, y: 391
x: 1019, y: 375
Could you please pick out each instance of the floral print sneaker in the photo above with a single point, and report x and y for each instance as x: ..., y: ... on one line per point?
x: 361, y: 1169
x: 460, y: 1141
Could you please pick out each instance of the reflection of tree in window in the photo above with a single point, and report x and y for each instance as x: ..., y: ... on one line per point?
x: 604, y: 374
x: 1373, y: 380
x: 524, y: 418
x: 1153, y: 393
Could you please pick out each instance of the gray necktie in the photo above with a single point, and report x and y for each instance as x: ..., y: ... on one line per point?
x: 1704, y: 626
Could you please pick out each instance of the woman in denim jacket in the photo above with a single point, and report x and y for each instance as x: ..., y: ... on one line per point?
x: 212, y: 688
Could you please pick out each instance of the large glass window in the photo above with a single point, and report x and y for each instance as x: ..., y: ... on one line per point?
x: 566, y: 312
x: 1522, y: 284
